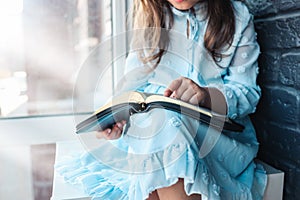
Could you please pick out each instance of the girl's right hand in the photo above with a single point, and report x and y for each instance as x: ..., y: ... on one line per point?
x: 112, y: 133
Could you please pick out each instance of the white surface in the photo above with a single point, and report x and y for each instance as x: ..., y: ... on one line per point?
x: 16, y: 136
x: 61, y: 189
x: 38, y: 130
x: 15, y: 173
x: 274, y: 189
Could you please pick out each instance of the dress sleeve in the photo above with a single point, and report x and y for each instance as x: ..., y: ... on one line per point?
x: 240, y: 88
x: 135, y: 76
x: 132, y: 62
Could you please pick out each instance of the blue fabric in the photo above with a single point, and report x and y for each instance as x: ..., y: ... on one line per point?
x: 161, y: 146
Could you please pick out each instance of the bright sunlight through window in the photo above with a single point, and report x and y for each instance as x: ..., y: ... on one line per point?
x: 11, y: 7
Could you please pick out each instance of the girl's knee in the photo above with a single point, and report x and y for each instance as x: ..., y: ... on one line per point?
x: 176, y: 192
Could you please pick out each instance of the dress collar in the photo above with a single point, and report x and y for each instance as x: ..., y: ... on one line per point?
x: 198, y: 11
x: 193, y: 16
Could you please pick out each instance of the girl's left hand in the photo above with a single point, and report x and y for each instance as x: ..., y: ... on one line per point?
x: 187, y: 90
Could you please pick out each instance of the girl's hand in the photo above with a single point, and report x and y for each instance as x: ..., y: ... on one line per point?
x: 187, y: 90
x: 112, y: 133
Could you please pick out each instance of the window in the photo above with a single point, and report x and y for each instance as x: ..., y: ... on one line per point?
x: 45, y: 44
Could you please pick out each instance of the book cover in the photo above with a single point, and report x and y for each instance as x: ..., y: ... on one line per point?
x: 123, y: 106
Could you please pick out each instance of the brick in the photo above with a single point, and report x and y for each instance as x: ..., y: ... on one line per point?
x: 261, y: 8
x: 289, y: 71
x: 279, y: 33
x: 288, y: 5
x: 279, y: 146
x: 269, y: 67
x: 278, y: 68
x: 263, y: 103
x: 277, y: 119
x: 291, y: 183
x: 279, y: 105
x: 296, y: 186
x: 281, y: 141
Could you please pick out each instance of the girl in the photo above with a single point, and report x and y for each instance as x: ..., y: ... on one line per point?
x: 203, y: 52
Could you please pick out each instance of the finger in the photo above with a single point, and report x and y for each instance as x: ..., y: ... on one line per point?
x: 195, y: 100
x: 116, y: 132
x: 112, y: 134
x: 175, y: 85
x: 168, y: 92
x: 188, y: 94
x: 186, y: 84
x: 123, y: 123
x: 103, y: 134
x: 199, y: 98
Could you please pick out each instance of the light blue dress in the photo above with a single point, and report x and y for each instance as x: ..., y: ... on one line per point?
x: 160, y: 146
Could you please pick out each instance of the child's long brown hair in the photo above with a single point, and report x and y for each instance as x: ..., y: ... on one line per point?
x: 156, y: 14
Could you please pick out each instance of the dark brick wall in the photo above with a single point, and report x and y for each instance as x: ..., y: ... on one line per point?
x: 277, y: 119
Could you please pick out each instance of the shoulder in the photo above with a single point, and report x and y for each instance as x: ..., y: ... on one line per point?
x: 242, y: 14
x: 240, y: 9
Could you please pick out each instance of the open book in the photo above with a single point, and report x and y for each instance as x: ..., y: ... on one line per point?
x: 123, y: 106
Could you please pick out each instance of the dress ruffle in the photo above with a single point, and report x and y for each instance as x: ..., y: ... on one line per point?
x: 96, y: 179
x: 197, y: 178
x: 102, y: 182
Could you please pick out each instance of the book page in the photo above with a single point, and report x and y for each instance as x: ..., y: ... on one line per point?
x: 159, y: 98
x: 128, y: 97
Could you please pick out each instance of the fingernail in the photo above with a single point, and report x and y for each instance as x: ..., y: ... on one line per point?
x: 119, y: 125
x: 108, y: 131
